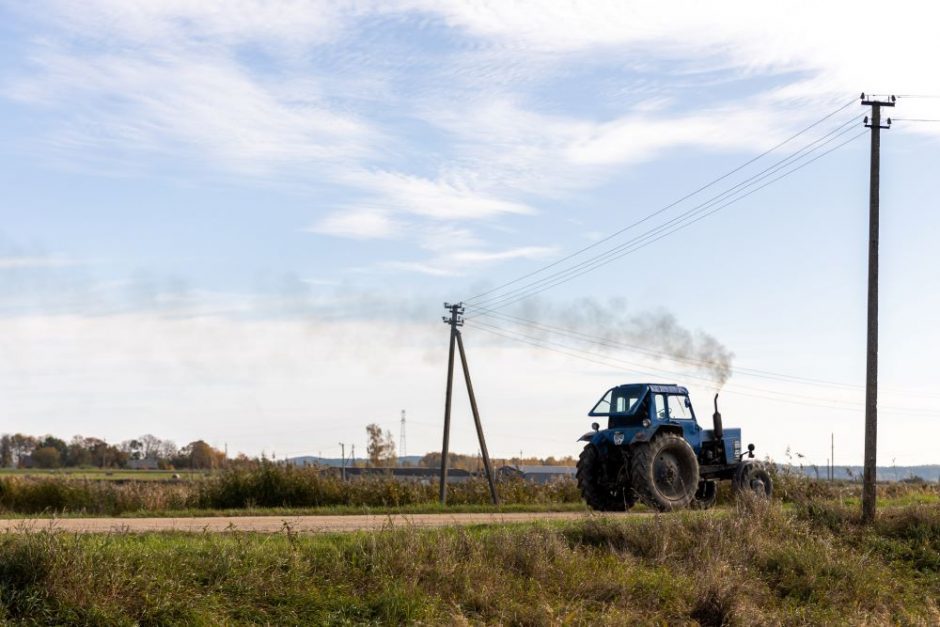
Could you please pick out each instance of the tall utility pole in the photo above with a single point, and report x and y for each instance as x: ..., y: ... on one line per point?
x: 401, y: 437
x: 871, y: 378
x: 455, y: 321
x: 342, y: 448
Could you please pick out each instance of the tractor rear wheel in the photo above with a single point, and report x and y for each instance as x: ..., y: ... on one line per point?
x: 596, y: 490
x: 665, y: 472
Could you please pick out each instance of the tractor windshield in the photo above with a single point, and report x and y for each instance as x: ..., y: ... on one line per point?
x: 622, y: 401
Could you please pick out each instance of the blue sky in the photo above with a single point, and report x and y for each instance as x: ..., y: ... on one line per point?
x: 237, y: 220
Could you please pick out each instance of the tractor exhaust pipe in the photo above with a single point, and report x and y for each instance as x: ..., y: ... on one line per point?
x: 716, y: 419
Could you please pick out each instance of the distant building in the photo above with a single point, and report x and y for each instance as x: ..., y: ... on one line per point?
x: 143, y: 464
x: 537, y: 474
x: 419, y: 475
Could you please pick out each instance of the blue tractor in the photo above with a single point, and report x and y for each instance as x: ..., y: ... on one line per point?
x: 654, y: 451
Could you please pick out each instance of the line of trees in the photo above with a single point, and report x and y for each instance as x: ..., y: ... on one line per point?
x: 19, y: 450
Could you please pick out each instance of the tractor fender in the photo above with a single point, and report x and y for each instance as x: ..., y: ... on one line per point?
x: 646, y: 435
x: 609, y: 438
x: 587, y: 437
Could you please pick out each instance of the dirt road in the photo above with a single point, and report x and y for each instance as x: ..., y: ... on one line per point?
x: 270, y: 524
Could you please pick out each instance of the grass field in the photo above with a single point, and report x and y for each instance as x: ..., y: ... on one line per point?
x: 98, y: 474
x: 757, y: 564
x: 276, y: 490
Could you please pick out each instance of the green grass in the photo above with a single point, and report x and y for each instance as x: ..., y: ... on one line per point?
x: 332, y: 510
x: 268, y: 486
x: 100, y: 474
x: 757, y: 564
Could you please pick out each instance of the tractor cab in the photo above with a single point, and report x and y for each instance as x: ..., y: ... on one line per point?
x: 637, y: 411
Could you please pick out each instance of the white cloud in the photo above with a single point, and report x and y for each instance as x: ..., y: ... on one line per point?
x: 176, y: 104
x: 359, y: 224
x: 447, y: 198
x: 170, y: 23
x: 457, y: 262
x: 55, y: 261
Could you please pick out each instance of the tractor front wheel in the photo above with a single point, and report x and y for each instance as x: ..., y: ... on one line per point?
x: 752, y: 477
x: 706, y: 495
x: 595, y: 487
x: 665, y: 472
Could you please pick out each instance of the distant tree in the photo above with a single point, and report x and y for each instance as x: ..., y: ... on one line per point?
x: 133, y: 448
x: 381, y: 446
x: 199, y: 455
x: 454, y: 460
x: 21, y: 446
x: 151, y: 446
x: 167, y: 450
x: 53, y: 442
x: 46, y: 457
x: 77, y: 454
x: 6, y: 451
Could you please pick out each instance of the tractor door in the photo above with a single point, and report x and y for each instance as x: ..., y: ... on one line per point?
x: 677, y: 410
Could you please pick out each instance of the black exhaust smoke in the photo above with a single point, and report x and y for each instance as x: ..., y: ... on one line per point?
x: 716, y: 419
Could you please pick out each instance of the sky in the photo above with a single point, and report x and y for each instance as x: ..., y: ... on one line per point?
x: 238, y: 221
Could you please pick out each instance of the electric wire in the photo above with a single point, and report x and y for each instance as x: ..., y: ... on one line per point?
x: 740, y: 187
x: 754, y: 372
x: 667, y: 207
x: 639, y: 243
x: 501, y: 316
x: 645, y: 370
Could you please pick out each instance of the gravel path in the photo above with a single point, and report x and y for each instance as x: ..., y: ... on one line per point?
x: 270, y: 524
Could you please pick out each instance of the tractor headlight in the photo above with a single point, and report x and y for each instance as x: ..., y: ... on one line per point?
x: 646, y: 422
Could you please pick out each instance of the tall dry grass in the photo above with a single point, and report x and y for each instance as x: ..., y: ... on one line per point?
x: 756, y: 564
x: 269, y: 485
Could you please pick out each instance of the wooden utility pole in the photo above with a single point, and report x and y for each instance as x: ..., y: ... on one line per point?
x: 455, y: 321
x: 476, y: 420
x: 342, y: 465
x: 871, y: 379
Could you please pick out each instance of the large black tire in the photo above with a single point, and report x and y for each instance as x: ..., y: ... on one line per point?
x: 665, y: 472
x: 596, y: 490
x: 751, y: 477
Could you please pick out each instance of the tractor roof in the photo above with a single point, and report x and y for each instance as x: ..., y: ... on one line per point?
x: 660, y: 388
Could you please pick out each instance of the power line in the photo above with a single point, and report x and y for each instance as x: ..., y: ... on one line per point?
x: 736, y: 189
x: 638, y: 243
x: 617, y: 344
x: 915, y: 119
x: 608, y: 343
x: 667, y: 207
x: 645, y: 370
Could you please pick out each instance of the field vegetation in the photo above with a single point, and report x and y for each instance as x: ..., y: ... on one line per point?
x: 756, y: 563
x: 274, y: 488
x: 265, y: 486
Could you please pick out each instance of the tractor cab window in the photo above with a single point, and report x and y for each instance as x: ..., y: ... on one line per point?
x: 679, y: 407
x: 603, y: 406
x: 622, y: 401
x: 659, y: 407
